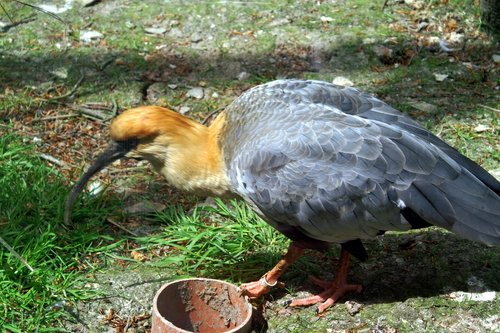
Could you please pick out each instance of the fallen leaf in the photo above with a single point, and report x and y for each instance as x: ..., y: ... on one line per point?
x: 440, y: 77
x: 481, y: 128
x: 423, y: 106
x: 95, y: 187
x: 136, y: 255
x: 451, y: 25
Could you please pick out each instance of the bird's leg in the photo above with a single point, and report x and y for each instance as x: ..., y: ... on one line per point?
x: 334, y: 290
x: 270, y: 279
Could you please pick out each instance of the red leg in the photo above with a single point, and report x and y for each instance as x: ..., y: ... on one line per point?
x: 334, y: 290
x: 270, y: 279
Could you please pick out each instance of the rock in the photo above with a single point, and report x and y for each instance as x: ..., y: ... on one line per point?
x: 278, y: 22
x: 243, y: 76
x: 87, y: 36
x: 424, y: 106
x: 495, y: 173
x: 460, y: 296
x: 440, y: 77
x: 481, y: 128
x: 175, y: 33
x: 353, y: 307
x: 496, y: 58
x: 184, y: 109
x: 56, y: 9
x: 196, y: 38
x: 144, y: 207
x: 342, y: 81
x: 156, y: 91
x: 196, y: 92
x: 456, y: 38
x: 155, y: 30
x: 326, y: 19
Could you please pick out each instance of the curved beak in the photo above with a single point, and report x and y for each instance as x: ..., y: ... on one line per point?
x: 115, y: 151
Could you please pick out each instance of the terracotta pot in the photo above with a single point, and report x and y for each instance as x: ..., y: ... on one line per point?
x: 200, y: 305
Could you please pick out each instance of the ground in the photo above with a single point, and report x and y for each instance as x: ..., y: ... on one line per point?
x: 65, y: 77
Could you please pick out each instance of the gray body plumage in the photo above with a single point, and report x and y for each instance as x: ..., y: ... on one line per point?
x: 331, y: 164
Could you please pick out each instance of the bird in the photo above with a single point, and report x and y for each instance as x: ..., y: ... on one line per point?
x: 322, y: 164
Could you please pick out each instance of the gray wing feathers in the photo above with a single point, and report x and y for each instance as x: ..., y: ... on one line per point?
x: 340, y: 165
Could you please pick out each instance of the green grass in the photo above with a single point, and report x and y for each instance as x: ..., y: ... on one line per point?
x: 228, y: 241
x: 212, y: 241
x: 42, y: 289
x: 31, y: 209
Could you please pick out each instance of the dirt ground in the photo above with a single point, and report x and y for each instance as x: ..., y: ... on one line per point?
x: 63, y: 81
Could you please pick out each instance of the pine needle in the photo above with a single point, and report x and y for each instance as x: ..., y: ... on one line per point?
x: 15, y: 254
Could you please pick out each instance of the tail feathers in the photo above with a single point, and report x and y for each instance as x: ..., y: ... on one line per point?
x: 464, y: 205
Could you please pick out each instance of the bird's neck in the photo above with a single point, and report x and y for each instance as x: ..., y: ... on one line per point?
x: 193, y: 161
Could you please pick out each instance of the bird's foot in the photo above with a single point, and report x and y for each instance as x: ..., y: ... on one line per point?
x: 258, y: 288
x: 333, y: 291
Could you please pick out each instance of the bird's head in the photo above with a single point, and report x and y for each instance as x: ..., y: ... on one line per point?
x: 185, y: 152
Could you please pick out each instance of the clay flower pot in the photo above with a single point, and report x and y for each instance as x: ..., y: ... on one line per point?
x: 200, y: 305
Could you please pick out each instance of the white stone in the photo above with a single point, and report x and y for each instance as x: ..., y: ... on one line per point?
x: 440, y: 77
x: 88, y: 35
x: 243, y: 76
x: 342, y: 81
x: 481, y: 128
x: 155, y: 30
x: 196, y: 92
x: 184, y: 109
x: 461, y: 296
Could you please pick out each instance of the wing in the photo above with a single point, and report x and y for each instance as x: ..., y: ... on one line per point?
x: 315, y: 166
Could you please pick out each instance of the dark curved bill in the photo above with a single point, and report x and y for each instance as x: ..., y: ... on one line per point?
x: 115, y: 151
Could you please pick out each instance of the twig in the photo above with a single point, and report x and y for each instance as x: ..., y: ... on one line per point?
x: 15, y: 254
x: 15, y: 24
x: 127, y: 325
x: 52, y: 159
x: 115, y: 107
x: 205, y: 121
x: 489, y: 108
x: 94, y: 114
x: 69, y: 93
x: 132, y: 168
x: 121, y: 227
x: 6, y: 13
x: 42, y: 10
x: 62, y: 116
x: 413, y: 56
x: 385, y: 4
